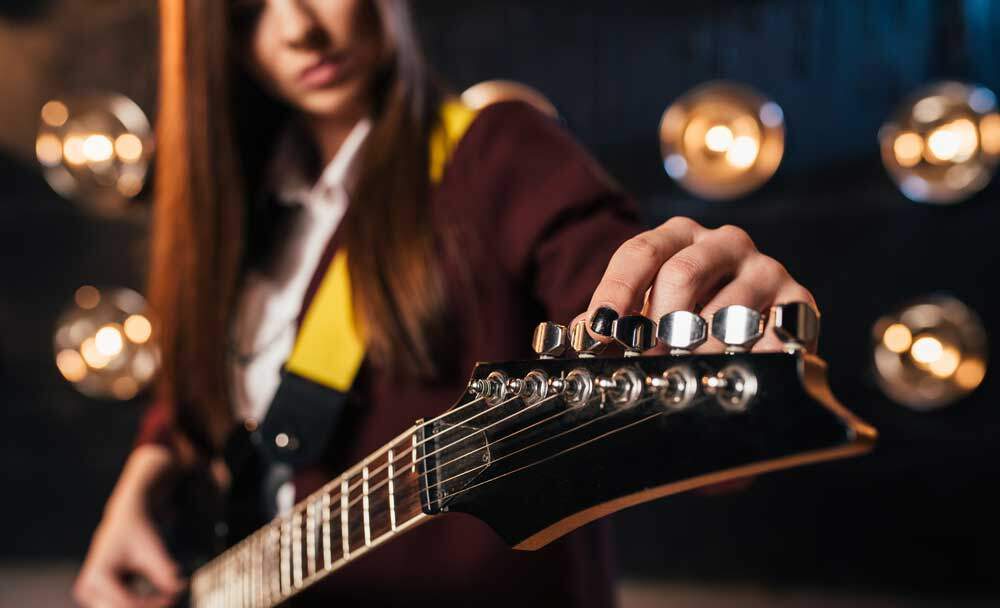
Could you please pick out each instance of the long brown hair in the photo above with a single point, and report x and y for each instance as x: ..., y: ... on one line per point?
x: 209, y: 154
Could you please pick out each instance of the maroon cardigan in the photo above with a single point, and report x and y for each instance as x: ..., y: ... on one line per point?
x: 538, y: 220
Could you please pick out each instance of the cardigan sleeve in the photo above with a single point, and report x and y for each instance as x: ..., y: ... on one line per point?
x: 557, y: 214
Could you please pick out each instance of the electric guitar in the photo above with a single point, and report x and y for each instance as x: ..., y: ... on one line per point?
x: 536, y: 449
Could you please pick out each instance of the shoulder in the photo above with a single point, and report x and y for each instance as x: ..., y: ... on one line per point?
x: 513, y: 129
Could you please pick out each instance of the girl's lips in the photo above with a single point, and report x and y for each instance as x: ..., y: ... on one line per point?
x: 323, y: 73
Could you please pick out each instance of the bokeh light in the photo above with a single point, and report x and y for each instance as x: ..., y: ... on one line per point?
x: 480, y: 95
x: 95, y: 150
x: 930, y: 353
x: 943, y: 143
x: 105, y: 343
x: 722, y: 140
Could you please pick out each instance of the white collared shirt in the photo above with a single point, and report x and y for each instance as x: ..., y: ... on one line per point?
x: 264, y: 328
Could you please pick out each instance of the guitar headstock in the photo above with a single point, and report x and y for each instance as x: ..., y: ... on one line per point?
x: 538, y: 448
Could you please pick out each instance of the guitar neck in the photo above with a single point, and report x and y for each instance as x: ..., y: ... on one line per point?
x: 367, y: 505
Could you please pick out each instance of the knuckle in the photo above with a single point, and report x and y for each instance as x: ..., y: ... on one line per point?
x: 640, y: 247
x: 682, y: 273
x: 680, y: 222
x: 771, y: 270
x: 736, y: 236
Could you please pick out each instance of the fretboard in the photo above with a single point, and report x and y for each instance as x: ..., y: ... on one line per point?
x: 367, y: 505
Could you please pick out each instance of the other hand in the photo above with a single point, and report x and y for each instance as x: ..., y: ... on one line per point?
x: 681, y: 265
x: 127, y: 544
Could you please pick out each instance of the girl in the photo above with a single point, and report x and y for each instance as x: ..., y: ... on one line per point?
x: 329, y: 222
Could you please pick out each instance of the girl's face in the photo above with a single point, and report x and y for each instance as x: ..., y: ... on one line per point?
x: 319, y: 56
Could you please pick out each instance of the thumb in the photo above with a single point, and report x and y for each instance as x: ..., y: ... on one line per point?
x: 151, y: 560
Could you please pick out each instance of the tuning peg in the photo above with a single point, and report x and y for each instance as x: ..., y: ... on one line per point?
x: 682, y: 331
x: 738, y: 327
x: 550, y: 340
x: 796, y: 324
x: 635, y: 333
x: 582, y: 342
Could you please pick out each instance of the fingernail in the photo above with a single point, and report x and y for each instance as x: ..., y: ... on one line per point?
x: 600, y: 321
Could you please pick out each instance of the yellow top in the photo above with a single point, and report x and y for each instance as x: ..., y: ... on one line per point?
x: 329, y: 349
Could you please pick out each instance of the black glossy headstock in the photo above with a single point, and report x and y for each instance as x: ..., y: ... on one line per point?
x: 538, y: 448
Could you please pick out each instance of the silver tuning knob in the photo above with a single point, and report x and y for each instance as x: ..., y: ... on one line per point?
x: 682, y: 331
x: 550, y: 340
x: 797, y: 325
x: 635, y: 333
x: 738, y: 327
x: 582, y: 342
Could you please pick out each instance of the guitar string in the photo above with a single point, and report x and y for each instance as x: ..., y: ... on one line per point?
x: 539, y: 442
x: 524, y: 467
x: 280, y: 521
x: 383, y: 506
x: 411, y: 446
x: 326, y: 489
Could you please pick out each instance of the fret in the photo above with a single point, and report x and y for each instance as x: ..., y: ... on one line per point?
x: 357, y: 532
x: 413, y: 453
x: 392, y: 496
x: 296, y: 548
x: 285, y: 557
x: 345, y: 531
x: 327, y: 547
x: 274, y: 563
x: 379, y: 516
x: 377, y: 498
x: 364, y: 501
x: 311, y: 538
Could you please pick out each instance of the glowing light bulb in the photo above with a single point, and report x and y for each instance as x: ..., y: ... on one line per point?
x: 108, y: 341
x: 128, y: 147
x: 92, y: 355
x: 930, y: 353
x: 98, y: 148
x: 722, y: 140
x: 55, y: 113
x: 897, y: 338
x: 908, y: 148
x: 138, y: 329
x: 719, y: 138
x: 926, y: 350
x: 48, y: 149
x: 943, y: 144
x: 71, y: 365
x: 87, y: 297
x: 94, y: 150
x: 104, y: 343
x: 743, y: 152
x: 73, y: 150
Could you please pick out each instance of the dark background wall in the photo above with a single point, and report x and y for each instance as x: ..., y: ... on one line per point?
x: 917, y: 516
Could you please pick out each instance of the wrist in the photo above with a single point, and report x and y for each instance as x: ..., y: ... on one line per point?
x: 146, y: 468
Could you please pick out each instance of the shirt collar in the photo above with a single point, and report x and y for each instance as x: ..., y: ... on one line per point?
x: 290, y: 184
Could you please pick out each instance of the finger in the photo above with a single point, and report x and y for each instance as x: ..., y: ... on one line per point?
x: 762, y: 282
x: 632, y: 269
x: 151, y: 560
x: 690, y: 276
x: 106, y: 591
